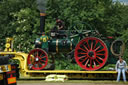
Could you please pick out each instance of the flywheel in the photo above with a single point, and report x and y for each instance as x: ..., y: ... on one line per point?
x: 117, y: 47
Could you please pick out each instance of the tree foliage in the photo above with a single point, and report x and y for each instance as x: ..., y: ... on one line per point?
x: 20, y: 18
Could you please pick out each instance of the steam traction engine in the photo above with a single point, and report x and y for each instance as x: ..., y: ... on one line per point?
x: 90, y: 50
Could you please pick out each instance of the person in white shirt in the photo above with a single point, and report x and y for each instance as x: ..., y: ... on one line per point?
x: 121, y: 67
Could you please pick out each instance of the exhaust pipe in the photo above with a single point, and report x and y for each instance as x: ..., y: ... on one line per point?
x: 41, y: 5
x: 42, y: 22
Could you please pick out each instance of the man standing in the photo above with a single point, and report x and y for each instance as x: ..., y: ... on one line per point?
x: 44, y: 42
x: 121, y: 67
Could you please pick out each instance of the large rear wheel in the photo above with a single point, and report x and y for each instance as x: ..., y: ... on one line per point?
x: 91, y: 53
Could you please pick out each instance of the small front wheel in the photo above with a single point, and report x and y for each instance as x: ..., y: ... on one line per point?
x: 37, y: 59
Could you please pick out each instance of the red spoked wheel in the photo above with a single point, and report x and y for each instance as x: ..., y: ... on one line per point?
x: 37, y: 59
x: 91, y: 53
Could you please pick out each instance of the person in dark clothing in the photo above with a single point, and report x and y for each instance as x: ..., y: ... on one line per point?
x: 58, y: 30
x: 60, y: 24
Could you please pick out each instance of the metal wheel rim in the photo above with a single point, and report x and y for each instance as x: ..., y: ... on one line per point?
x: 91, y: 53
x: 38, y: 58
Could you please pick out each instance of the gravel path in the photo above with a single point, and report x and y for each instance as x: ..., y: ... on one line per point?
x: 66, y: 84
x: 71, y: 83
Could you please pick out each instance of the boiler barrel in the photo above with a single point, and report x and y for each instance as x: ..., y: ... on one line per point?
x: 60, y: 45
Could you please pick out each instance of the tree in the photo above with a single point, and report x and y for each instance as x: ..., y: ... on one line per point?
x: 21, y: 18
x: 17, y: 22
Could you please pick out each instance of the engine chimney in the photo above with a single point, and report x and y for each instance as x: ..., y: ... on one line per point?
x: 42, y: 22
x: 41, y: 5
